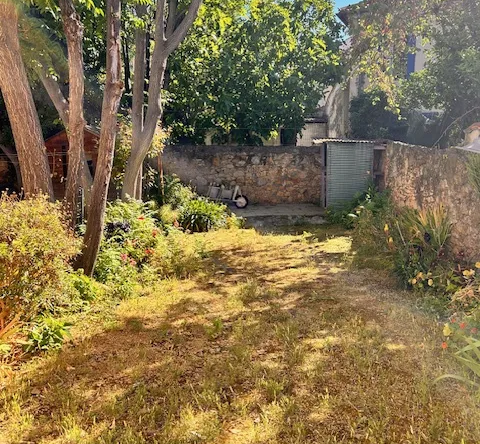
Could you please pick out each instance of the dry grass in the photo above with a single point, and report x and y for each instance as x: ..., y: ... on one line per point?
x: 274, y: 341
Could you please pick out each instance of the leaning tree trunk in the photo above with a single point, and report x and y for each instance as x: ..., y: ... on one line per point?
x: 169, y: 33
x: 111, y: 101
x: 73, y: 29
x: 62, y: 106
x: 138, y: 99
x: 22, y: 114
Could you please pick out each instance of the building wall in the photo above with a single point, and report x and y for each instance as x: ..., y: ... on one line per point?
x: 266, y: 175
x: 56, y: 146
x: 420, y: 177
x: 312, y: 131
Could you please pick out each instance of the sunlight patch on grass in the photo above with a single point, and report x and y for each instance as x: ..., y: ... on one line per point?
x: 273, y: 341
x: 336, y: 245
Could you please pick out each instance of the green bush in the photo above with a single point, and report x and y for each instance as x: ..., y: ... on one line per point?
x: 348, y: 214
x: 35, y: 250
x: 202, y: 215
x: 178, y: 254
x: 167, y: 215
x: 84, y: 286
x: 129, y: 240
x: 421, y: 248
x: 173, y: 192
x: 46, y: 334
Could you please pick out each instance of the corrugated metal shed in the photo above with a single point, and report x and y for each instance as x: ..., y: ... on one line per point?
x: 349, y: 170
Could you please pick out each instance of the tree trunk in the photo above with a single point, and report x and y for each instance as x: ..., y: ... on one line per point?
x: 141, y: 143
x: 62, y: 107
x: 139, y: 184
x: 111, y: 101
x: 138, y: 100
x: 126, y: 67
x: 167, y: 39
x: 73, y: 29
x: 23, y: 116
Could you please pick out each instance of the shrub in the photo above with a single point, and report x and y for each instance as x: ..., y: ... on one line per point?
x: 421, y: 243
x: 168, y: 216
x: 202, y: 215
x: 35, y: 248
x: 178, y: 254
x: 130, y: 236
x: 173, y: 192
x: 83, y: 285
x: 348, y: 214
x: 462, y: 336
x: 46, y: 334
x: 116, y: 269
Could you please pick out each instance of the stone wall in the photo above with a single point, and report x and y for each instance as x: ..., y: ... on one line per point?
x: 266, y: 175
x: 424, y: 177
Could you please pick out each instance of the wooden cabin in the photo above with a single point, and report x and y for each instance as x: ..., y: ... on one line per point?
x: 57, y: 151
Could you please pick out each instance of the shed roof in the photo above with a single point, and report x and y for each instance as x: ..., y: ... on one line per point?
x: 320, y: 141
x: 95, y: 131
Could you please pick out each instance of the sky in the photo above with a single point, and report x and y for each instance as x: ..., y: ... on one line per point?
x: 341, y: 3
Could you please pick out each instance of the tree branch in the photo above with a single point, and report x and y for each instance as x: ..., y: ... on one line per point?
x: 54, y: 92
x: 139, y: 73
x: 172, y: 17
x: 453, y: 123
x: 160, y: 22
x: 181, y: 31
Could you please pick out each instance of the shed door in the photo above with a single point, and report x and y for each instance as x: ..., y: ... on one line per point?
x: 349, y: 169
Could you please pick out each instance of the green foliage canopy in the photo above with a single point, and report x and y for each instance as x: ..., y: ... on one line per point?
x: 249, y: 67
x: 449, y: 29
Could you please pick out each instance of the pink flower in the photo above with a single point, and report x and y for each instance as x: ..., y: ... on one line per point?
x: 124, y: 257
x: 132, y: 262
x: 463, y: 325
x: 154, y: 233
x: 444, y: 345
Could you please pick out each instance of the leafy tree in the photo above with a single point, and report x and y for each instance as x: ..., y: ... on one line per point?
x: 451, y: 78
x: 370, y: 118
x: 381, y: 31
x: 249, y: 67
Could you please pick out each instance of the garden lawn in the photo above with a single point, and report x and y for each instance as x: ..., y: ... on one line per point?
x: 276, y: 340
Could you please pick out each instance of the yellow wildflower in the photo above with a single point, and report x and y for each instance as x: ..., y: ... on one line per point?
x: 420, y: 275
x: 468, y: 273
x: 390, y: 240
x: 430, y: 282
x: 447, y: 331
x: 386, y: 228
x: 414, y: 281
x: 477, y: 265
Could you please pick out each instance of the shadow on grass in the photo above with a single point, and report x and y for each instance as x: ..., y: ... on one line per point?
x: 289, y: 362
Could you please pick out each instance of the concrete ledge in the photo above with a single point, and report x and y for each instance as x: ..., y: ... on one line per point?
x: 281, y: 215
